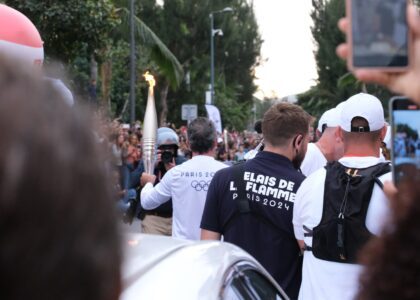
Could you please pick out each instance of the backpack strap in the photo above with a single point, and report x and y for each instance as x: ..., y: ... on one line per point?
x: 308, y: 232
x: 385, y: 168
x: 307, y: 248
x: 379, y: 183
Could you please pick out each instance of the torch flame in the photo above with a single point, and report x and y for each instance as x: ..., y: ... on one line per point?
x: 150, y: 79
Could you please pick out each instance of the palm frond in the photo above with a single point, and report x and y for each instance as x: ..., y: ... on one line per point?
x: 161, y: 55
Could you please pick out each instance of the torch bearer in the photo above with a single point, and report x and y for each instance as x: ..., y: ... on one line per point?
x: 149, y: 127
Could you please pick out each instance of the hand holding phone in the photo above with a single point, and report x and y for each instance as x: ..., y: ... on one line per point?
x: 378, y: 36
x: 405, y: 83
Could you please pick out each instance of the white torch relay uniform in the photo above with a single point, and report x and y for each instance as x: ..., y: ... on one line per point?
x: 323, y: 279
x: 187, y: 184
x: 314, y: 160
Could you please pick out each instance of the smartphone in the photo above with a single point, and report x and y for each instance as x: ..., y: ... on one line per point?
x: 405, y: 154
x: 379, y: 37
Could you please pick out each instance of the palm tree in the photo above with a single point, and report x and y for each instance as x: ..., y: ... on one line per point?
x: 168, y: 64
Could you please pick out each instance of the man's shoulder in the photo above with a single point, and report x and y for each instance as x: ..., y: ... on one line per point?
x: 219, y: 164
x: 314, y: 179
x: 224, y: 172
x: 313, y: 149
x: 314, y: 159
x: 198, y: 166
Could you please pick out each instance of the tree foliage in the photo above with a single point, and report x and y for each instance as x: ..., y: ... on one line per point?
x: 170, y: 38
x: 184, y: 25
x: 167, y: 63
x: 73, y: 31
x: 70, y: 28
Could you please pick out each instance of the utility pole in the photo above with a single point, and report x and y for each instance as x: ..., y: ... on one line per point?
x: 132, y: 65
x: 212, y: 33
x: 211, y: 59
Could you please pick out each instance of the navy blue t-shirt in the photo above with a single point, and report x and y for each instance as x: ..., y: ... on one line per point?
x: 271, y: 183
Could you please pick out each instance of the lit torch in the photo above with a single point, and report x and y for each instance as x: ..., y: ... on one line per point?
x: 225, y: 137
x: 149, y: 127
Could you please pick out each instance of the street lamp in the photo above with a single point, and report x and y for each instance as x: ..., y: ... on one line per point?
x: 132, y: 66
x: 214, y: 32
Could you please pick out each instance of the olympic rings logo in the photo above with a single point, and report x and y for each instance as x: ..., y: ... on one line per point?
x: 200, y: 185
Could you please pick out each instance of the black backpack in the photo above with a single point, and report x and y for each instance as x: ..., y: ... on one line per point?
x: 342, y: 231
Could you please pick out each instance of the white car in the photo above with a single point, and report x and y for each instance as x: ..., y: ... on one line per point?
x: 164, y: 268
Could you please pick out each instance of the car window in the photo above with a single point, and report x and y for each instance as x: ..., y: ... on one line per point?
x: 236, y: 291
x: 250, y: 284
x: 260, y: 287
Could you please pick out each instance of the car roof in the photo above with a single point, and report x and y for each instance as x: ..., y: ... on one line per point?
x: 157, y: 267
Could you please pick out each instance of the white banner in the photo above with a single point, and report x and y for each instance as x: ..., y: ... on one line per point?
x: 214, y: 115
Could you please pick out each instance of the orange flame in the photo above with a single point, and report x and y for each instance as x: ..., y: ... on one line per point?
x: 150, y: 79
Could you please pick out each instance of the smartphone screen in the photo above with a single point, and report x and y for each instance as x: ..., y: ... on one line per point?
x: 379, y: 33
x: 406, y: 141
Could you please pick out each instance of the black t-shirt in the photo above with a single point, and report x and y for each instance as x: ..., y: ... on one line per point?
x: 271, y: 183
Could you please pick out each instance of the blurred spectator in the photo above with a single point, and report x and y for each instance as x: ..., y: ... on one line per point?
x: 221, y: 154
x: 131, y: 154
x: 93, y: 99
x: 58, y: 232
x: 239, y: 155
x: 116, y: 147
x: 391, y: 261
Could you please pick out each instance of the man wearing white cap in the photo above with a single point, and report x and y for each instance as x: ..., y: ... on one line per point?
x: 338, y: 208
x: 329, y: 147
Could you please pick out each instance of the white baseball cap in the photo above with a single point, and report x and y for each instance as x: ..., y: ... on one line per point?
x: 330, y: 118
x: 365, y: 106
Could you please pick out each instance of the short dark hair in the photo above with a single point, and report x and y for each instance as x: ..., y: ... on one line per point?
x: 283, y: 121
x: 58, y: 229
x: 201, y: 135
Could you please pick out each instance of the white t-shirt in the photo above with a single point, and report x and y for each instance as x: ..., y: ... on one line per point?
x: 322, y: 279
x: 314, y: 160
x: 187, y: 184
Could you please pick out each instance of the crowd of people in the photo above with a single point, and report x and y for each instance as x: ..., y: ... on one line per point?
x: 324, y: 218
x: 322, y: 198
x: 125, y: 144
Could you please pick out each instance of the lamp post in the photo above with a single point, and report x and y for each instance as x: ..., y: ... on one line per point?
x: 132, y: 66
x: 213, y: 32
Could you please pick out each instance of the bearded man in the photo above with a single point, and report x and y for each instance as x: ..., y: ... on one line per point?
x: 251, y: 204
